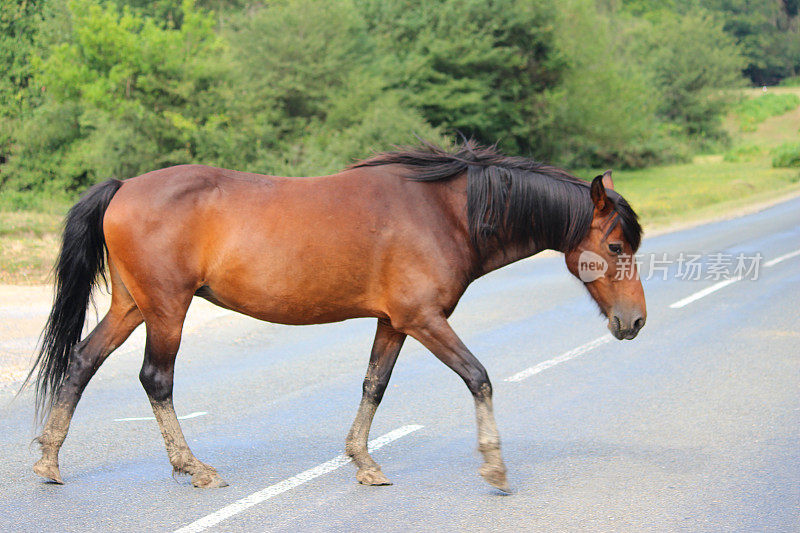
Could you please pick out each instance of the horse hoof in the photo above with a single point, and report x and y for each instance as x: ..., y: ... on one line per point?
x: 495, y: 475
x: 372, y: 476
x: 208, y: 480
x: 48, y: 471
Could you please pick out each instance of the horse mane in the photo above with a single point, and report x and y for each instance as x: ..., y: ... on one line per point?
x: 512, y: 199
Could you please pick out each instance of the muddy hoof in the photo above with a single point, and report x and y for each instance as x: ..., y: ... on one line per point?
x: 372, y: 476
x: 48, y: 470
x: 496, y: 476
x: 208, y: 480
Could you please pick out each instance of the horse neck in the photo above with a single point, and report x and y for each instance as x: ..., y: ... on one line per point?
x: 504, y: 251
x: 490, y: 257
x: 504, y: 254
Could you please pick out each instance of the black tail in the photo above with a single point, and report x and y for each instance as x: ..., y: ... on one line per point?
x: 80, y: 263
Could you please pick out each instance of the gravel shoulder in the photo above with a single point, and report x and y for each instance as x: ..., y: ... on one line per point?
x: 23, y: 313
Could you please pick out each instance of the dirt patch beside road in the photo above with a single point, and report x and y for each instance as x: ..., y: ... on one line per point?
x: 23, y: 313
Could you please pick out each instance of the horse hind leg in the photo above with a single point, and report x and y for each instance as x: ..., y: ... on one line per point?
x: 120, y: 321
x: 163, y: 340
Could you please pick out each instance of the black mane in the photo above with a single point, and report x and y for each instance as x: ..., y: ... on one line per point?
x: 512, y: 198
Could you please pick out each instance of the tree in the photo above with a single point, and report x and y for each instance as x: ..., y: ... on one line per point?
x: 308, y: 90
x: 691, y: 60
x: 603, y: 113
x: 18, y: 24
x: 470, y: 65
x: 122, y: 95
x: 767, y: 31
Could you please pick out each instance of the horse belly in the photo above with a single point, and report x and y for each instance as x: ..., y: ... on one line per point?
x: 297, y: 308
x: 298, y: 281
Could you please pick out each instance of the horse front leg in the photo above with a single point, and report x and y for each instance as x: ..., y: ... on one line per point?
x: 385, y: 349
x: 435, y: 333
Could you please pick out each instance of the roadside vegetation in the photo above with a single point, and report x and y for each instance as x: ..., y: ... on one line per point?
x: 786, y: 155
x: 753, y: 111
x: 653, y: 90
x: 760, y: 164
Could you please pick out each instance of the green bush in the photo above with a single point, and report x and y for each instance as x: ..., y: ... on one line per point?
x: 753, y: 111
x: 786, y: 155
x: 12, y: 200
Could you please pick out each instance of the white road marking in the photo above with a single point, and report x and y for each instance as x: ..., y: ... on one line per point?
x: 575, y: 352
x: 717, y: 286
x: 773, y: 262
x: 192, y: 415
x: 705, y: 292
x: 184, y: 417
x: 288, y: 484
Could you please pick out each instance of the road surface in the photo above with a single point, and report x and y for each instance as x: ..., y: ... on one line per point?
x: 693, y: 426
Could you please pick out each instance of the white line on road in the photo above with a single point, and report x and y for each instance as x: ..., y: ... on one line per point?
x: 184, y: 417
x: 773, y: 262
x: 288, y: 484
x: 717, y: 286
x: 705, y: 292
x: 575, y: 352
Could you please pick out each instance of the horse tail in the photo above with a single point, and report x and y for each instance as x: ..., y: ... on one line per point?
x: 80, y: 265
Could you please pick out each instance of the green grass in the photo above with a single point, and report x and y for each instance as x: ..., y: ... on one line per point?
x: 793, y: 81
x: 753, y: 111
x: 29, y: 229
x: 669, y: 194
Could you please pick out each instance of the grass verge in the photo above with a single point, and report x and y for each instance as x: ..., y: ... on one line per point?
x: 721, y: 184
x: 753, y: 111
x: 701, y: 189
x: 28, y: 245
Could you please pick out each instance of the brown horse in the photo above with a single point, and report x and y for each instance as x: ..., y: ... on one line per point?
x: 398, y: 237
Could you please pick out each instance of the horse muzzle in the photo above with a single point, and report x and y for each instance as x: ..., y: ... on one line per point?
x: 623, y: 327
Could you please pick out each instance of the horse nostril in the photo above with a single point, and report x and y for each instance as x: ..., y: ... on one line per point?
x: 638, y: 324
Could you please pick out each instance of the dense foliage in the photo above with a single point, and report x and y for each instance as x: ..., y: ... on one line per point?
x: 96, y: 89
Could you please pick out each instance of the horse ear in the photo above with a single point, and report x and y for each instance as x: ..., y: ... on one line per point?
x: 608, y: 183
x: 598, y: 194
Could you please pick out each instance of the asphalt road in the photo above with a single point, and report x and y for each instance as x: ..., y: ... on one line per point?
x: 693, y: 426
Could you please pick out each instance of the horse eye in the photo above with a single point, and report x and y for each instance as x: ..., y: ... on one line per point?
x: 615, y: 248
